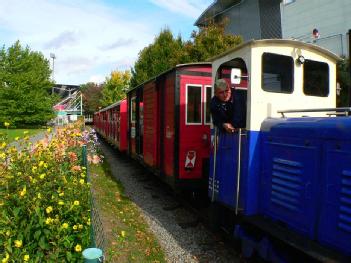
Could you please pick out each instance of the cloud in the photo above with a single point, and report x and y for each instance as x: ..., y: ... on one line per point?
x: 92, y: 37
x: 66, y: 38
x: 191, y: 8
x: 119, y: 43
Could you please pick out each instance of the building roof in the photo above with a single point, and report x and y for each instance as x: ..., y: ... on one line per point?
x: 216, y: 8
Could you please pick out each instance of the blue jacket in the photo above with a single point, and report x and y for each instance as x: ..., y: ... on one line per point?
x: 222, y: 112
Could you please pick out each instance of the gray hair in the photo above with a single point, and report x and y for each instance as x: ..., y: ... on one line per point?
x: 220, y: 84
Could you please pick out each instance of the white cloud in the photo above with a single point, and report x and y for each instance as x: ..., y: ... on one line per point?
x: 191, y: 8
x: 89, y: 37
x: 97, y: 79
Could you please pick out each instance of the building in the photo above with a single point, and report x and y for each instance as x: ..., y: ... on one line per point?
x: 252, y: 19
x: 323, y: 22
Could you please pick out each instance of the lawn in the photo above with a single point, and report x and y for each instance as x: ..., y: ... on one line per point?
x: 13, y: 133
x: 127, y: 235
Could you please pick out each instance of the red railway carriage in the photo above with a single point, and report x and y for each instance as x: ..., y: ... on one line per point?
x: 111, y: 123
x: 169, y: 124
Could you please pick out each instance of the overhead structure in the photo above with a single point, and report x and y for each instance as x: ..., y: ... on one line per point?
x: 69, y: 108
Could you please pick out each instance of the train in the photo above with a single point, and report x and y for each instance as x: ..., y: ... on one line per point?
x: 281, y: 183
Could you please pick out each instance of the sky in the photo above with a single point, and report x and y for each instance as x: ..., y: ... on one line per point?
x: 91, y: 38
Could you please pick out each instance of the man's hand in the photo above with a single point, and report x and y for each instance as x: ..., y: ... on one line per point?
x: 228, y: 127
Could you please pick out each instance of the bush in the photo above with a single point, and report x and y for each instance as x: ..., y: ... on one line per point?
x: 44, y: 199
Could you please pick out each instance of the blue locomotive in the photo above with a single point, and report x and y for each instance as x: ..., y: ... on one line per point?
x: 285, y: 174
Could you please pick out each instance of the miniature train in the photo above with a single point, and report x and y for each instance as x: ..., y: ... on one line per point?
x: 283, y: 179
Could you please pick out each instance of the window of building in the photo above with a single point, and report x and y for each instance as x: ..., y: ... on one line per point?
x: 193, y: 104
x: 208, y: 93
x: 277, y: 73
x: 315, y: 78
x: 133, y: 110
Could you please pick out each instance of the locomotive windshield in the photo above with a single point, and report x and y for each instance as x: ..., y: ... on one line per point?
x: 316, y: 78
x: 277, y: 73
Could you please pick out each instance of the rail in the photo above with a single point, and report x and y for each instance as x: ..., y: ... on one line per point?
x: 345, y: 111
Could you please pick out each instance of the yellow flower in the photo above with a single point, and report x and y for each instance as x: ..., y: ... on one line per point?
x: 41, y: 163
x: 6, y: 258
x: 3, y: 145
x: 39, y: 195
x: 8, y: 233
x: 26, y: 257
x: 18, y: 243
x: 64, y: 225
x: 25, y: 132
x: 123, y: 233
x: 48, y: 130
x: 61, y: 194
x: 24, y: 191
x: 34, y: 169
x: 80, y: 226
x: 61, y: 202
x: 76, y: 202
x: 6, y: 124
x: 49, y: 209
x: 17, y: 138
x: 81, y: 181
x: 49, y: 220
x: 2, y: 155
x: 42, y: 176
x: 78, y: 248
x: 75, y: 227
x: 82, y: 175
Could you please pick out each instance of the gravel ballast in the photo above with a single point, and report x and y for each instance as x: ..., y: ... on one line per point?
x: 190, y: 244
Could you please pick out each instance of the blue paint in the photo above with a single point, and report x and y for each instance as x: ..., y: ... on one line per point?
x: 296, y: 171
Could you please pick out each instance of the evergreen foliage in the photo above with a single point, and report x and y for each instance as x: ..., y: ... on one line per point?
x: 167, y: 51
x: 25, y: 87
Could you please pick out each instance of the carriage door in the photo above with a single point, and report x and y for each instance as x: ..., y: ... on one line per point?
x: 231, y: 149
x: 139, y: 122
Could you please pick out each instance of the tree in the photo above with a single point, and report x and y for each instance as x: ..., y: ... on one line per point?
x: 25, y: 87
x: 91, y: 97
x: 115, y: 87
x: 210, y: 41
x: 343, y: 77
x: 166, y: 51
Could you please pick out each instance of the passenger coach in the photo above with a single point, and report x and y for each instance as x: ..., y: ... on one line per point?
x: 169, y: 124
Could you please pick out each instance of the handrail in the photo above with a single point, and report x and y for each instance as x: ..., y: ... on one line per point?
x: 214, y: 164
x: 345, y: 110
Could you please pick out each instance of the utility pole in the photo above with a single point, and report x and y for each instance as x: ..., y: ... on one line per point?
x: 52, y: 55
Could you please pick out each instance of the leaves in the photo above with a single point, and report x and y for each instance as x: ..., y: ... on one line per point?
x: 24, y: 87
x: 115, y: 87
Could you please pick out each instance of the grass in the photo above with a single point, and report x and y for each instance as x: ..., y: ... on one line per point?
x: 13, y: 133
x: 127, y: 235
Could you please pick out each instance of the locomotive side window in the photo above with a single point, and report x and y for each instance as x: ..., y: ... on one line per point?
x: 193, y: 104
x: 277, y: 73
x: 133, y: 110
x: 208, y: 90
x: 315, y: 78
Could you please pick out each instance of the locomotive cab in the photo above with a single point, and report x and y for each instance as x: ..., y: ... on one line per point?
x: 288, y: 165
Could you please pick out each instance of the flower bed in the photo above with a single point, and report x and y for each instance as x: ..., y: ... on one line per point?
x: 44, y: 199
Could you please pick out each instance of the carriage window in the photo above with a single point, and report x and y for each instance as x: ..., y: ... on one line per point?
x: 193, y: 106
x: 277, y: 73
x: 208, y: 90
x: 315, y: 78
x: 133, y: 110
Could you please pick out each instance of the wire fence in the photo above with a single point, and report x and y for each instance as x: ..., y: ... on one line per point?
x: 97, y: 236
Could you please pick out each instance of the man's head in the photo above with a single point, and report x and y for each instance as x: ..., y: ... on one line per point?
x: 222, y: 90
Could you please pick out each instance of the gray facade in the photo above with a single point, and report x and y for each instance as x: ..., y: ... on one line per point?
x: 331, y: 18
x: 252, y: 19
x: 291, y: 19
